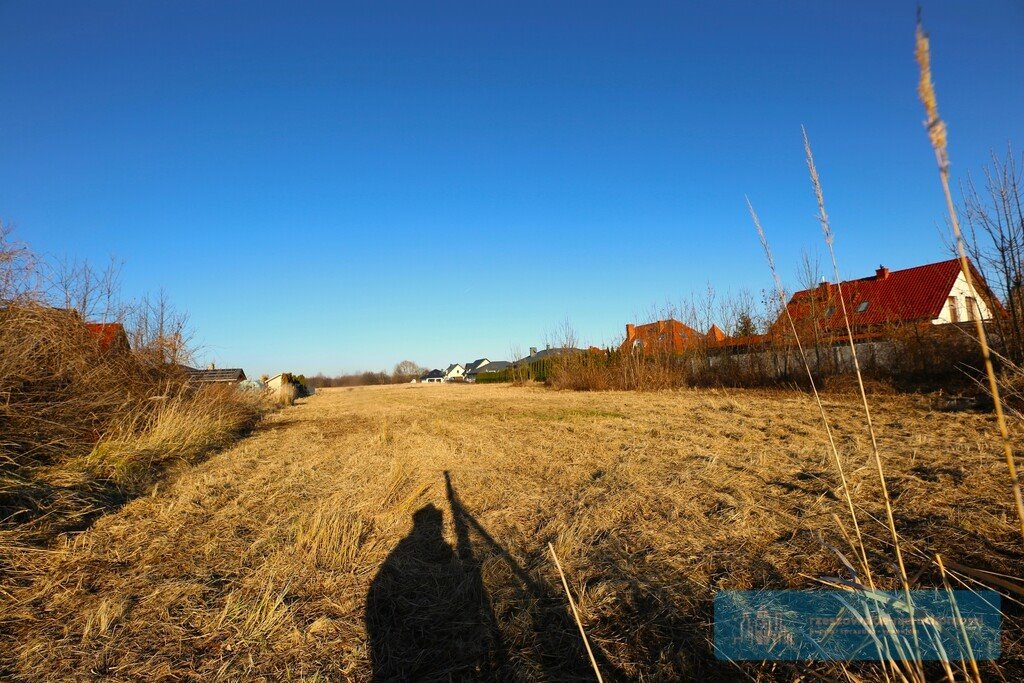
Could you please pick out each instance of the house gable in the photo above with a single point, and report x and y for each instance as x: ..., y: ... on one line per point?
x: 110, y: 336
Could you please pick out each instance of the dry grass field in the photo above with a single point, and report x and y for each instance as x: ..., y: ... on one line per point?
x: 331, y: 545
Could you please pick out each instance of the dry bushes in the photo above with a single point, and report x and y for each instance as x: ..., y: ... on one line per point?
x: 615, y: 370
x: 287, y: 394
x: 86, y: 422
x: 183, y: 428
x: 913, y: 358
x: 61, y: 389
x: 84, y: 429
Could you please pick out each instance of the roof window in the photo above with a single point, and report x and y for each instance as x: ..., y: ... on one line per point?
x: 863, y: 306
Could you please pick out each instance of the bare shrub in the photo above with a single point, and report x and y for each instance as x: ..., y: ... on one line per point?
x: 286, y: 394
x: 181, y: 429
x: 87, y: 416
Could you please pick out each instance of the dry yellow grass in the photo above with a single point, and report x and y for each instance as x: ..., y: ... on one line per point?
x: 330, y: 544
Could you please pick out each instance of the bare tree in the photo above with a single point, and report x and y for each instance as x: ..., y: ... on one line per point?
x: 159, y: 333
x: 821, y: 302
x: 80, y: 286
x: 405, y: 371
x: 18, y: 268
x: 994, y: 237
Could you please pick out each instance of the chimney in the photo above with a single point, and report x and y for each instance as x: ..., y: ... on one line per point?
x: 533, y: 350
x: 211, y: 366
x: 630, y: 330
x: 547, y: 346
x: 881, y: 273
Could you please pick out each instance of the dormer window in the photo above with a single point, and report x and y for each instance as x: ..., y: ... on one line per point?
x: 863, y: 306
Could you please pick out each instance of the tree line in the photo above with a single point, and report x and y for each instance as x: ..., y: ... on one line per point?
x: 402, y: 373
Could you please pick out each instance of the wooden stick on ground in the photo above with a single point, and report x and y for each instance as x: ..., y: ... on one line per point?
x: 576, y: 614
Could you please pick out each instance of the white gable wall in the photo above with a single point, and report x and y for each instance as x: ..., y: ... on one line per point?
x: 961, y: 292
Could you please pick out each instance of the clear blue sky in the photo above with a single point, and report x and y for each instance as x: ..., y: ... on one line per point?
x: 337, y: 187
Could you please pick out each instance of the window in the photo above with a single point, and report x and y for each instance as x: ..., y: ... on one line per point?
x: 954, y: 314
x: 863, y: 306
x: 972, y: 308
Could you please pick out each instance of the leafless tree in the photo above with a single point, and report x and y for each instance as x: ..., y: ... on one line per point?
x: 158, y: 332
x: 18, y: 268
x: 80, y: 286
x: 405, y: 371
x: 994, y: 232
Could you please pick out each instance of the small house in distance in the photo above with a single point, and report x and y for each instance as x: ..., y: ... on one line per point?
x: 277, y: 381
x: 488, y: 368
x: 454, y: 373
x: 662, y: 335
x: 478, y: 363
x: 435, y: 376
x: 214, y: 375
x: 547, y: 353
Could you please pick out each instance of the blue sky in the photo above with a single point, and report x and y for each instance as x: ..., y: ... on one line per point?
x: 338, y: 187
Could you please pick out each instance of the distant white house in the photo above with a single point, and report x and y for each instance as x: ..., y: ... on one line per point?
x: 432, y: 377
x: 476, y: 365
x: 486, y: 369
x: 455, y: 372
x: 275, y: 382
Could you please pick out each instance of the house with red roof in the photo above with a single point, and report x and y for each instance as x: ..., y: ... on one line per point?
x: 932, y: 294
x: 935, y: 294
x: 660, y: 336
x: 111, y: 336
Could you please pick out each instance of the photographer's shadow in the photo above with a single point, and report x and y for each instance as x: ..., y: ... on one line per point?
x: 430, y: 618
x: 427, y: 614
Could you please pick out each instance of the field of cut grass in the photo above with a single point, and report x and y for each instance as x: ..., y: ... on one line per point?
x: 402, y: 531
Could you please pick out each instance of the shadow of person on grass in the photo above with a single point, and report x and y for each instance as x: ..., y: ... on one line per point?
x: 430, y: 617
x: 548, y: 643
x: 427, y: 616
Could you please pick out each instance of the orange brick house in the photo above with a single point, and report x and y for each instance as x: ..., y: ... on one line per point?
x: 663, y: 335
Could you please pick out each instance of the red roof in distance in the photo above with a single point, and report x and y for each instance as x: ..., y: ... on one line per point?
x: 109, y: 335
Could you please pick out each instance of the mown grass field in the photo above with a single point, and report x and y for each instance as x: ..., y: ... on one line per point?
x: 331, y: 545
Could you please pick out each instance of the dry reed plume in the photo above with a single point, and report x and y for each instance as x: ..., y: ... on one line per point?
x: 937, y: 136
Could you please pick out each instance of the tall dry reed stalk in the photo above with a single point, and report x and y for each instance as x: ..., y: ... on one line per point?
x: 780, y: 291
x: 937, y: 136
x: 576, y: 614
x: 890, y: 519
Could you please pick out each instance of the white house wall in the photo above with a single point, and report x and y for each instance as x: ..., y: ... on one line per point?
x: 961, y: 291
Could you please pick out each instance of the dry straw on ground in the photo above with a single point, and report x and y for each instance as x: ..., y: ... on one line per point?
x: 270, y: 559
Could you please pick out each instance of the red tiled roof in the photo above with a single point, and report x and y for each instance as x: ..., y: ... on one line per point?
x: 910, y: 295
x: 715, y: 334
x: 663, y: 335
x: 108, y: 334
